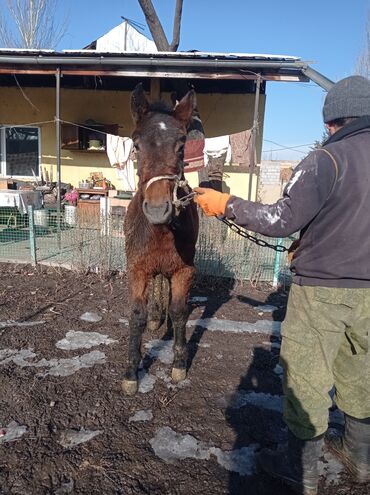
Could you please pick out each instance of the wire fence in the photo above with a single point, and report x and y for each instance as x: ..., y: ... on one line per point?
x: 96, y: 243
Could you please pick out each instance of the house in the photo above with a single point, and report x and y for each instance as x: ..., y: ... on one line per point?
x: 54, y: 106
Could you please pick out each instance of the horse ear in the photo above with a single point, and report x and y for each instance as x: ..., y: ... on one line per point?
x: 185, y: 108
x: 139, y: 103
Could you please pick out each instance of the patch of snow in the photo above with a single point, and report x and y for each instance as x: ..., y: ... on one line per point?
x: 163, y: 375
x: 18, y: 357
x: 91, y: 317
x: 71, y: 438
x: 58, y: 367
x: 69, y: 366
x: 182, y: 384
x: 204, y: 345
x: 171, y: 446
x: 219, y: 356
x: 198, y: 299
x: 141, y: 416
x: 331, y: 469
x: 242, y: 461
x: 83, y: 340
x: 266, y: 308
x: 217, y: 325
x: 12, y: 432
x: 146, y: 381
x: 160, y: 349
x: 257, y: 399
x: 12, y: 323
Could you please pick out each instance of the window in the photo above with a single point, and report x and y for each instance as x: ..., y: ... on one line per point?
x: 20, y: 151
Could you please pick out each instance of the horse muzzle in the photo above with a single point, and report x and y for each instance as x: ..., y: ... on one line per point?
x: 160, y: 214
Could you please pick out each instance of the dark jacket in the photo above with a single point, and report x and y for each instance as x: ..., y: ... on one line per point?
x: 328, y: 200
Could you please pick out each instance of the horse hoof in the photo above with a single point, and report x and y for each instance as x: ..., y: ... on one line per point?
x: 129, y: 387
x: 153, y: 325
x: 178, y: 374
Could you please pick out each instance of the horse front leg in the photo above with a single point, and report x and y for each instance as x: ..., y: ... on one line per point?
x: 178, y: 310
x: 137, y: 323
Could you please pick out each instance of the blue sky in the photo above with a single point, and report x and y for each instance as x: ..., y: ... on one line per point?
x: 329, y: 33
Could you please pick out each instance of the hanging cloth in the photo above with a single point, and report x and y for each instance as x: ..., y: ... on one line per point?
x: 241, y: 148
x: 119, y: 151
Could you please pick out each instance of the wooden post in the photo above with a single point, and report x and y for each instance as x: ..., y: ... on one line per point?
x: 253, y: 153
x: 58, y: 158
x: 155, y: 88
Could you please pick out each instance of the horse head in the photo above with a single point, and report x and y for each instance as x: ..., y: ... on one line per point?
x: 159, y: 138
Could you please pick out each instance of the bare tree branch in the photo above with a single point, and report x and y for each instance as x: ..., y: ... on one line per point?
x: 363, y: 61
x: 176, y: 26
x: 31, y: 24
x: 156, y: 27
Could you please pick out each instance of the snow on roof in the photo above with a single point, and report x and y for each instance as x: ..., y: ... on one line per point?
x: 189, y: 54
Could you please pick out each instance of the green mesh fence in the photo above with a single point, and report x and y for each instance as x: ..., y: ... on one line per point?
x: 97, y: 243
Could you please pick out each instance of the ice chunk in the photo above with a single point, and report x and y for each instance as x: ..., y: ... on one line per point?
x: 83, y: 340
x: 217, y: 325
x: 12, y: 323
x: 12, y: 432
x: 198, y: 299
x: 91, y: 317
x: 71, y: 438
x: 141, y: 416
x: 266, y: 308
x: 146, y: 381
x: 241, y: 461
x: 171, y: 446
x: 68, y: 366
x: 18, y: 357
x: 160, y: 349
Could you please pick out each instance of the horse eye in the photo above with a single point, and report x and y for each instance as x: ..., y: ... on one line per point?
x: 136, y: 146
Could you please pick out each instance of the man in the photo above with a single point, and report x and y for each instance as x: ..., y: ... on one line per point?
x: 325, y: 336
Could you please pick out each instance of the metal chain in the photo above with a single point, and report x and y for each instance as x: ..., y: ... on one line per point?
x: 260, y: 242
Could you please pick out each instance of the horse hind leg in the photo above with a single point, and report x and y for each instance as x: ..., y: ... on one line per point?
x: 178, y: 310
x: 158, y: 295
x: 137, y: 323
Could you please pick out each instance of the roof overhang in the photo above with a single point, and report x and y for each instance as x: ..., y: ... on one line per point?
x: 194, y: 65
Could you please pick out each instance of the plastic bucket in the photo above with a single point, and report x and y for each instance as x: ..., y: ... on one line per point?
x: 40, y: 218
x: 70, y: 215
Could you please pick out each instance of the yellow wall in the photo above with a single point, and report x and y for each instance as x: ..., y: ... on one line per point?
x: 221, y: 114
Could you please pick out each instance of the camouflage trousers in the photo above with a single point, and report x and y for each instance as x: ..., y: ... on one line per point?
x: 325, y: 343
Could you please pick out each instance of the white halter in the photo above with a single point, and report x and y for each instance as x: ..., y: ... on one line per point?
x: 179, y: 203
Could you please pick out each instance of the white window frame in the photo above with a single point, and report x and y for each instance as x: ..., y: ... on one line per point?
x: 3, y: 173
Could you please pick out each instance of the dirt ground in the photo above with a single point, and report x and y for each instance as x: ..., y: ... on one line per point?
x: 121, y: 458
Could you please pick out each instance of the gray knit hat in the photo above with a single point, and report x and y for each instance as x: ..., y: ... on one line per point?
x: 349, y: 97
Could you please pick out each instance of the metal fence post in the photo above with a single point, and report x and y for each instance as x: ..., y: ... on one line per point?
x: 275, y: 280
x: 31, y: 226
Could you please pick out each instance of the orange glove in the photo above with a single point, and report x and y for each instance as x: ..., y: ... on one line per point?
x: 292, y: 249
x: 212, y: 202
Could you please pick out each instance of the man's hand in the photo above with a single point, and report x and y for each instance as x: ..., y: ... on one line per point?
x: 212, y: 202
